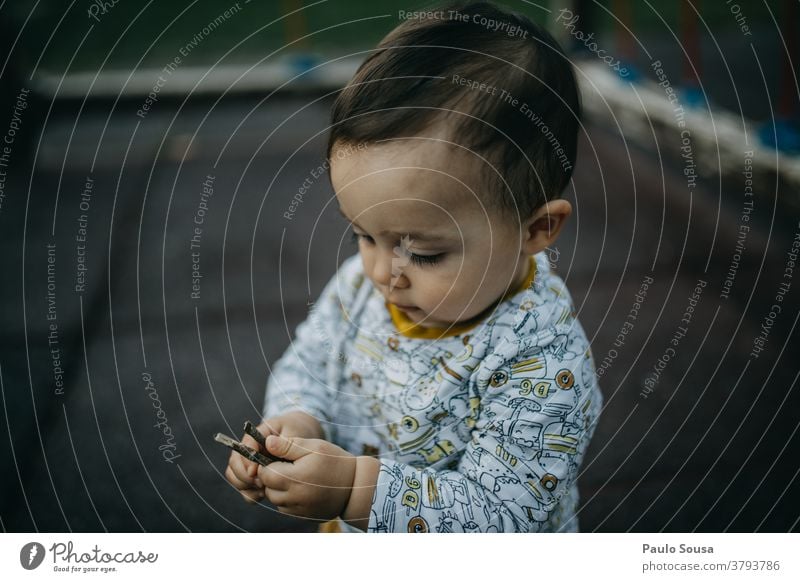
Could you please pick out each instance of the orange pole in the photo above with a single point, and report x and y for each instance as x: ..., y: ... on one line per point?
x: 625, y: 44
x: 295, y: 26
x: 690, y: 38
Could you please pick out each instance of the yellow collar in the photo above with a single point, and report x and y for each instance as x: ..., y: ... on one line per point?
x: 411, y: 329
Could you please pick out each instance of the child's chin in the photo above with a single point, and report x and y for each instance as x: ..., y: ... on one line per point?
x: 427, y: 320
x: 419, y: 316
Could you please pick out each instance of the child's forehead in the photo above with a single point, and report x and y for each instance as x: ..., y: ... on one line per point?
x: 426, y: 177
x: 418, y: 164
x: 408, y: 192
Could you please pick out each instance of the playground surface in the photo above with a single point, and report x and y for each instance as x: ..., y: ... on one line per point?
x: 705, y: 444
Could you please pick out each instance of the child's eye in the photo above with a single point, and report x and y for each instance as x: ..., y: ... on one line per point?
x: 356, y: 236
x: 423, y: 260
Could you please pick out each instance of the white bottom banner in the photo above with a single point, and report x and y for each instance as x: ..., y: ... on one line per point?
x: 275, y: 557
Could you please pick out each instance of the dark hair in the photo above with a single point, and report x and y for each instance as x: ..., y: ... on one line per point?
x: 418, y: 76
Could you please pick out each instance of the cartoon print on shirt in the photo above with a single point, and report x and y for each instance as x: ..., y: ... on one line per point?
x: 517, y: 428
x: 463, y: 410
x: 421, y: 394
x: 394, y: 482
x: 562, y: 347
x: 478, y: 432
x: 440, y: 450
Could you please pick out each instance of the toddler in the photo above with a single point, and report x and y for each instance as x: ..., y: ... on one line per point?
x: 441, y: 383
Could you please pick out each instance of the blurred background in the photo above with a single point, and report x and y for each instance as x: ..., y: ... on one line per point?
x: 150, y: 275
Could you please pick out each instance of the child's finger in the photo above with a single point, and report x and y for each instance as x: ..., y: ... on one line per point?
x: 252, y: 495
x: 269, y: 427
x: 271, y: 478
x: 244, y: 470
x: 277, y: 498
x: 238, y: 464
x: 234, y: 480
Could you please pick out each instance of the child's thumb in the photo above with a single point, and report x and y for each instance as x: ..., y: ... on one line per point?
x: 286, y: 448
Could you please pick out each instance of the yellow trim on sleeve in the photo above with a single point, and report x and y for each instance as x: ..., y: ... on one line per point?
x: 409, y: 328
x: 333, y: 526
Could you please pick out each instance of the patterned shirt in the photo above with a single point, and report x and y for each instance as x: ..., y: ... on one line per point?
x: 481, y: 428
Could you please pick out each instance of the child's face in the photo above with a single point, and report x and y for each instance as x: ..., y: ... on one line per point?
x: 426, y: 241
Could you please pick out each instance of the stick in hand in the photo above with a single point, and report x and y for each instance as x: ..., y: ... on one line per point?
x: 253, y: 432
x: 263, y: 459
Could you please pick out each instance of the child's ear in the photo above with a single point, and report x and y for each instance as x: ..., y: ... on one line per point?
x: 542, y: 229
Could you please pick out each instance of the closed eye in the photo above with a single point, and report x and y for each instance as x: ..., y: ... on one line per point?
x: 356, y: 236
x: 423, y: 260
x: 419, y: 260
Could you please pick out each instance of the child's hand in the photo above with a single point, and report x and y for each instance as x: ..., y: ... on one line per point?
x: 243, y: 473
x: 317, y: 484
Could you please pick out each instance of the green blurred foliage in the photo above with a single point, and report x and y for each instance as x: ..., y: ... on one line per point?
x: 59, y: 36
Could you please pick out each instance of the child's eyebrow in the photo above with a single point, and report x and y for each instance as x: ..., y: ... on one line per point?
x: 414, y: 235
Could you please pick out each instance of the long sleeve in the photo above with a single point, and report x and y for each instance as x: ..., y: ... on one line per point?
x: 539, y: 401
x: 301, y: 379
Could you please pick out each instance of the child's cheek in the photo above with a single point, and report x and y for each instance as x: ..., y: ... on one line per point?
x: 446, y: 296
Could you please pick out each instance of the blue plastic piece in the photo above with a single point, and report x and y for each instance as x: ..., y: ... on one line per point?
x: 693, y: 97
x: 785, y: 135
x: 302, y: 62
x: 628, y: 72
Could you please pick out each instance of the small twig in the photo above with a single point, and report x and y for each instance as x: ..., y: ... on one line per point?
x: 263, y: 459
x: 253, y: 432
x: 261, y: 440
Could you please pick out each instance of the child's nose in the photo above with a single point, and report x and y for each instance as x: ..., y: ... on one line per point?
x: 387, y: 270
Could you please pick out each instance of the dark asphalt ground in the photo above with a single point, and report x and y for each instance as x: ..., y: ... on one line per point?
x: 714, y: 447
